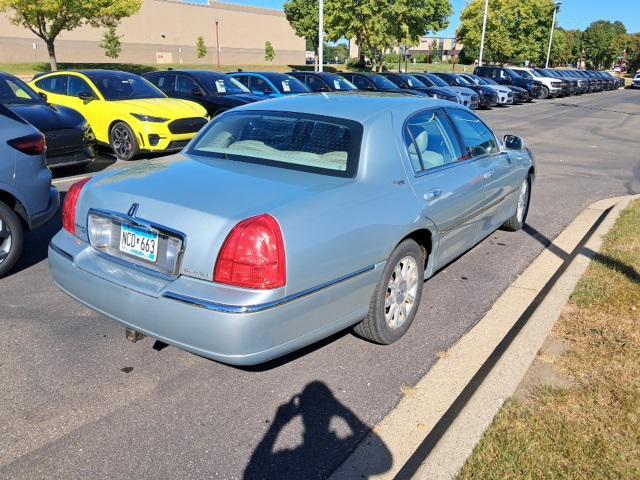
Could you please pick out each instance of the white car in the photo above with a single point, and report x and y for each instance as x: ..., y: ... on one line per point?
x: 551, y: 87
x: 505, y: 94
x: 636, y: 81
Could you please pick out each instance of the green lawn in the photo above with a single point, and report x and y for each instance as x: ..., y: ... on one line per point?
x: 590, y: 430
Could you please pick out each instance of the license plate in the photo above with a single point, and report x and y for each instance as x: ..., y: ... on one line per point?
x: 139, y: 243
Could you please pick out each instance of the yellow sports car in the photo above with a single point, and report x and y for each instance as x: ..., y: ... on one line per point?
x: 124, y: 110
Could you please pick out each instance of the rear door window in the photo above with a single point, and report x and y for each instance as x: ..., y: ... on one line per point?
x: 430, y: 141
x: 296, y: 141
x: 54, y: 84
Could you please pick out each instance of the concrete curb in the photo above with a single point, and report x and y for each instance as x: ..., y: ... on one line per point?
x: 403, y: 431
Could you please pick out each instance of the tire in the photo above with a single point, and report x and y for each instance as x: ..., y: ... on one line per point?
x: 519, y: 217
x: 545, y: 93
x: 123, y: 142
x: 11, y: 237
x: 381, y: 325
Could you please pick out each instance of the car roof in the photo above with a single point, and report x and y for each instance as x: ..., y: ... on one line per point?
x: 358, y: 106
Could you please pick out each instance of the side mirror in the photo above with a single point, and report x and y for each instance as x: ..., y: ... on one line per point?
x: 324, y: 88
x: 267, y: 91
x: 513, y: 142
x: 43, y: 95
x: 196, y: 92
x: 86, y: 96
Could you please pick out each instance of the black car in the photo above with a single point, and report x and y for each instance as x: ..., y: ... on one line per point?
x: 409, y: 82
x: 324, y: 81
x: 583, y: 83
x: 216, y: 92
x: 488, y: 97
x: 374, y: 82
x: 68, y: 136
x: 506, y: 76
x: 595, y: 85
x: 520, y: 95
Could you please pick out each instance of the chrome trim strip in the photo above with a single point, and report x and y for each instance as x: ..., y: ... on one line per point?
x: 59, y: 251
x: 220, y: 307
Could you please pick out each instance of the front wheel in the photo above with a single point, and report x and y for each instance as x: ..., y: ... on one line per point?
x: 396, y: 297
x: 516, y: 222
x: 123, y: 141
x: 10, y: 239
x: 544, y: 92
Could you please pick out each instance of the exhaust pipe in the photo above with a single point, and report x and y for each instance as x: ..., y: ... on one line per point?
x: 133, y: 335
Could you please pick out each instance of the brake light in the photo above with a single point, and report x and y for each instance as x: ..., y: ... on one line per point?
x: 71, y: 204
x: 33, y: 144
x: 253, y: 255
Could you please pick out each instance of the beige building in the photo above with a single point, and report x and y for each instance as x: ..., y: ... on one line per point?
x: 444, y: 47
x: 166, y: 32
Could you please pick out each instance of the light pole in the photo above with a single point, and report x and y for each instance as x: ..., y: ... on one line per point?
x: 556, y: 7
x: 217, y: 44
x: 320, y: 34
x: 484, y: 29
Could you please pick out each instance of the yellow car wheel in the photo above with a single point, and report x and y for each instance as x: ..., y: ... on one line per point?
x: 123, y: 141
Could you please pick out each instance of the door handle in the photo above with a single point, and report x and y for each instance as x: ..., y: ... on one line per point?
x: 489, y: 174
x: 433, y: 194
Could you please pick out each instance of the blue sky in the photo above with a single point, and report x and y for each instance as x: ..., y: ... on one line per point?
x: 573, y: 13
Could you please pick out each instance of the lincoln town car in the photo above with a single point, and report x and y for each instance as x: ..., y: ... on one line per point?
x: 285, y: 221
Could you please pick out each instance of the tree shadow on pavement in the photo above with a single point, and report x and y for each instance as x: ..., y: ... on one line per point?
x: 324, y: 444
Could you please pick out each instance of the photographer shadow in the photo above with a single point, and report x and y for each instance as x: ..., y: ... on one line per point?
x: 322, y: 449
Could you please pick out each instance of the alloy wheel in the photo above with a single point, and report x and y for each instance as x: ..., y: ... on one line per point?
x: 122, y: 142
x: 5, y: 240
x: 523, y: 201
x: 400, y: 296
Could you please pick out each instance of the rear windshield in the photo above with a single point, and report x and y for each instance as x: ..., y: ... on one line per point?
x: 287, y: 84
x: 312, y: 143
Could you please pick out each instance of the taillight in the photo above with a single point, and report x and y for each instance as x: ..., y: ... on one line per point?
x: 253, y: 255
x: 71, y: 204
x: 34, y: 144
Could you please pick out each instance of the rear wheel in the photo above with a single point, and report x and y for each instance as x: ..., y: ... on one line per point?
x: 544, y: 92
x: 10, y: 238
x: 516, y: 222
x: 396, y: 297
x: 123, y: 141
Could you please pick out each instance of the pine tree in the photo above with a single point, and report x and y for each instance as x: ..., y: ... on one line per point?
x: 111, y: 43
x: 201, y: 48
x: 269, y: 52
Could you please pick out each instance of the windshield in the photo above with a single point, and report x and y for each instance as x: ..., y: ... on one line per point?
x: 542, y: 72
x: 13, y: 90
x: 222, y: 83
x: 124, y: 86
x: 286, y: 84
x: 437, y: 80
x: 413, y: 81
x: 488, y: 81
x: 290, y: 140
x: 339, y: 83
x: 524, y: 74
x: 512, y: 74
x: 381, y: 82
x: 463, y: 81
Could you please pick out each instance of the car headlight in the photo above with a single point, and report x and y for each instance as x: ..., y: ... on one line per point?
x: 149, y: 118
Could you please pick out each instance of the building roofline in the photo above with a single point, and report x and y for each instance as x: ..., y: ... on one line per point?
x: 215, y: 5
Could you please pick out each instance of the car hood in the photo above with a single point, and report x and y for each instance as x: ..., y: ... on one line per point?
x: 162, y: 107
x: 462, y: 90
x: 204, y: 198
x: 47, y: 117
x: 243, y: 97
x: 498, y: 88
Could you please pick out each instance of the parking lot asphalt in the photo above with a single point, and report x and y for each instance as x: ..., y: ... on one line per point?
x: 79, y: 401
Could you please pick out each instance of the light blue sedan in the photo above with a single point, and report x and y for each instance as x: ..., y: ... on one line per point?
x: 287, y: 220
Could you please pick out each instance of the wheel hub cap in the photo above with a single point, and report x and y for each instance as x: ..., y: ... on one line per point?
x: 401, y: 292
x: 5, y: 240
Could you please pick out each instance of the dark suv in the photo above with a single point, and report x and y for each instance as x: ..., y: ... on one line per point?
x: 506, y: 76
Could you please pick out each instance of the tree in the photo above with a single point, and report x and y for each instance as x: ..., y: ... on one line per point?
x: 201, y: 48
x: 339, y: 51
x: 269, y: 52
x: 516, y: 31
x: 603, y: 41
x: 47, y: 18
x: 302, y: 15
x: 560, y: 51
x: 433, y: 49
x: 377, y: 25
x: 111, y: 43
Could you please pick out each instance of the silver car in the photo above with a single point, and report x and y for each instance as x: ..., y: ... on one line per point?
x: 288, y: 220
x: 27, y: 199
